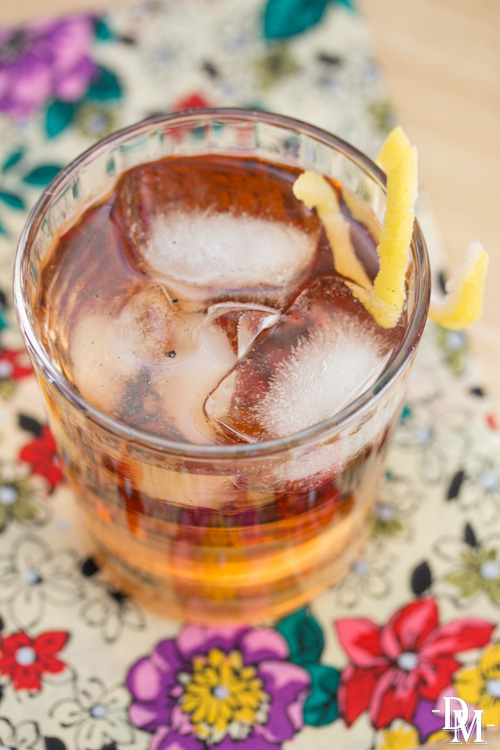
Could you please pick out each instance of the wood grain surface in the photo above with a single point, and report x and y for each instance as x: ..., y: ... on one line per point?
x: 441, y: 59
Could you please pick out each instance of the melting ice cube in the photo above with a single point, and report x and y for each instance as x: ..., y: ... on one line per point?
x: 117, y: 358
x: 325, y: 351
x: 100, y: 368
x: 152, y: 329
x: 226, y: 333
x: 208, y: 227
x: 241, y: 323
x: 227, y: 251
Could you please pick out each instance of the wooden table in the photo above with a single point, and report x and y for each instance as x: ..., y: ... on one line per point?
x: 441, y: 60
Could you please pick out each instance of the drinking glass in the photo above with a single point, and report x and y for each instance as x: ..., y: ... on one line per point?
x: 220, y: 532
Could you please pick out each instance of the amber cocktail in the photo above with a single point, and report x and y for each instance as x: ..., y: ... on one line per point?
x: 222, y: 404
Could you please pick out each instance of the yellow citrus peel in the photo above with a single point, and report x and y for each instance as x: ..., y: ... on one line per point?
x: 315, y: 191
x: 463, y: 302
x: 385, y: 298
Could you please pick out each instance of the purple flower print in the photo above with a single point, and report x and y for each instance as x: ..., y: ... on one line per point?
x: 427, y: 722
x: 230, y: 687
x: 43, y: 60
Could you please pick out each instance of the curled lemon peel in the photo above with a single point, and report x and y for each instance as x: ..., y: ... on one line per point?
x: 385, y: 300
x: 463, y: 302
x: 315, y: 191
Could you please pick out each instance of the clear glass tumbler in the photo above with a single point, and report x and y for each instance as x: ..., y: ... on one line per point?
x: 220, y: 532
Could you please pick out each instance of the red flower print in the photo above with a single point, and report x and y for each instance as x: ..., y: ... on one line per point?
x: 491, y: 421
x: 26, y: 659
x: 192, y: 101
x: 41, y: 453
x: 14, y: 364
x: 395, y: 665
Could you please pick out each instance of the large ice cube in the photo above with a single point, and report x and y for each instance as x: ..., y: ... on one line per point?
x: 212, y: 227
x: 227, y: 251
x: 325, y: 351
x: 99, y: 366
x: 226, y: 333
x: 122, y: 362
x: 153, y: 367
x: 153, y: 330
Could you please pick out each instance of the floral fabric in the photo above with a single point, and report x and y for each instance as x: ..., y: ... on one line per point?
x: 369, y: 663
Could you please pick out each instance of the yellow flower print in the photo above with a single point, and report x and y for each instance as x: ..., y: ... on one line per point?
x: 223, y: 696
x: 399, y: 739
x: 480, y: 686
x: 406, y: 738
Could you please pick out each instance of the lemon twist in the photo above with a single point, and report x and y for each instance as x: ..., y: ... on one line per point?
x: 385, y: 300
x: 463, y: 302
x: 315, y: 191
x: 386, y: 297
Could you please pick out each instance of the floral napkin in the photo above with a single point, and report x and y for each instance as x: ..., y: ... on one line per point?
x: 85, y: 667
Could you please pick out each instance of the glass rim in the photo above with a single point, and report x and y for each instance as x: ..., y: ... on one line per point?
x: 315, y: 432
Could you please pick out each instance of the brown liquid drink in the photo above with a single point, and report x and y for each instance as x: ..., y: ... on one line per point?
x: 197, y: 304
x: 200, y: 274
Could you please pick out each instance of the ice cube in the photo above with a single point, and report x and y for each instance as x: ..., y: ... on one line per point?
x: 153, y: 367
x: 152, y: 329
x: 226, y: 333
x: 227, y: 251
x: 122, y: 361
x: 242, y: 323
x: 325, y: 351
x: 99, y: 366
x: 210, y: 226
x: 324, y: 372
